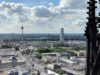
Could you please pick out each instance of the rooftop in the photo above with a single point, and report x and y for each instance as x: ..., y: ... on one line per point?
x: 3, y: 74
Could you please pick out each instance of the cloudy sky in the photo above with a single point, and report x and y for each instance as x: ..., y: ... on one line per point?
x: 42, y: 16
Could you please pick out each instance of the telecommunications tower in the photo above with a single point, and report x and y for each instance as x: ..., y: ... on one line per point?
x: 22, y: 28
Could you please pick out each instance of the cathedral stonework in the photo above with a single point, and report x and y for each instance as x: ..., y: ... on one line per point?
x: 93, y: 40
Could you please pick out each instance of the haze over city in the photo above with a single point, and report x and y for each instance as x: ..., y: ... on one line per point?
x: 42, y: 16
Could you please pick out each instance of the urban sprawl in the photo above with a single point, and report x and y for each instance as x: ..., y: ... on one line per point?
x: 47, y: 55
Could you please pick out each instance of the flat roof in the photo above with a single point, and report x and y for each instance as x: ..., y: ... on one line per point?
x: 3, y: 74
x: 69, y: 61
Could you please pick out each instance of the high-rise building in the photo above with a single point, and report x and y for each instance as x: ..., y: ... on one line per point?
x: 62, y: 35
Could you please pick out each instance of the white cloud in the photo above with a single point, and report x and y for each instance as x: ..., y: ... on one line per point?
x: 67, y: 14
x: 42, y: 11
x: 71, y: 4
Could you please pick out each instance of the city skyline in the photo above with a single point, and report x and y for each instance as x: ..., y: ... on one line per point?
x: 46, y: 16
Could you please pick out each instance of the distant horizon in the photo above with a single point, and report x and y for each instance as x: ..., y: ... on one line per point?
x: 41, y: 33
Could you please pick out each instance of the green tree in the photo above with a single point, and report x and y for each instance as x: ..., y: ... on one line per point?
x: 6, y: 46
x: 17, y: 48
x: 81, y: 54
x: 59, y: 71
x: 72, y: 53
x: 77, y: 48
x: 39, y: 56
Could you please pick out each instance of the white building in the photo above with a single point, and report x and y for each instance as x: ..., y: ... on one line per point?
x: 79, y: 60
x: 67, y: 62
x: 52, y: 72
x: 53, y: 66
x: 62, y: 35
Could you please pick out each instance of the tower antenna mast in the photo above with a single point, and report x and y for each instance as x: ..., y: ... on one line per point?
x: 22, y: 28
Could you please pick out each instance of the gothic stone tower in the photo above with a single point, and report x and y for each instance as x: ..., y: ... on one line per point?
x: 93, y: 41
